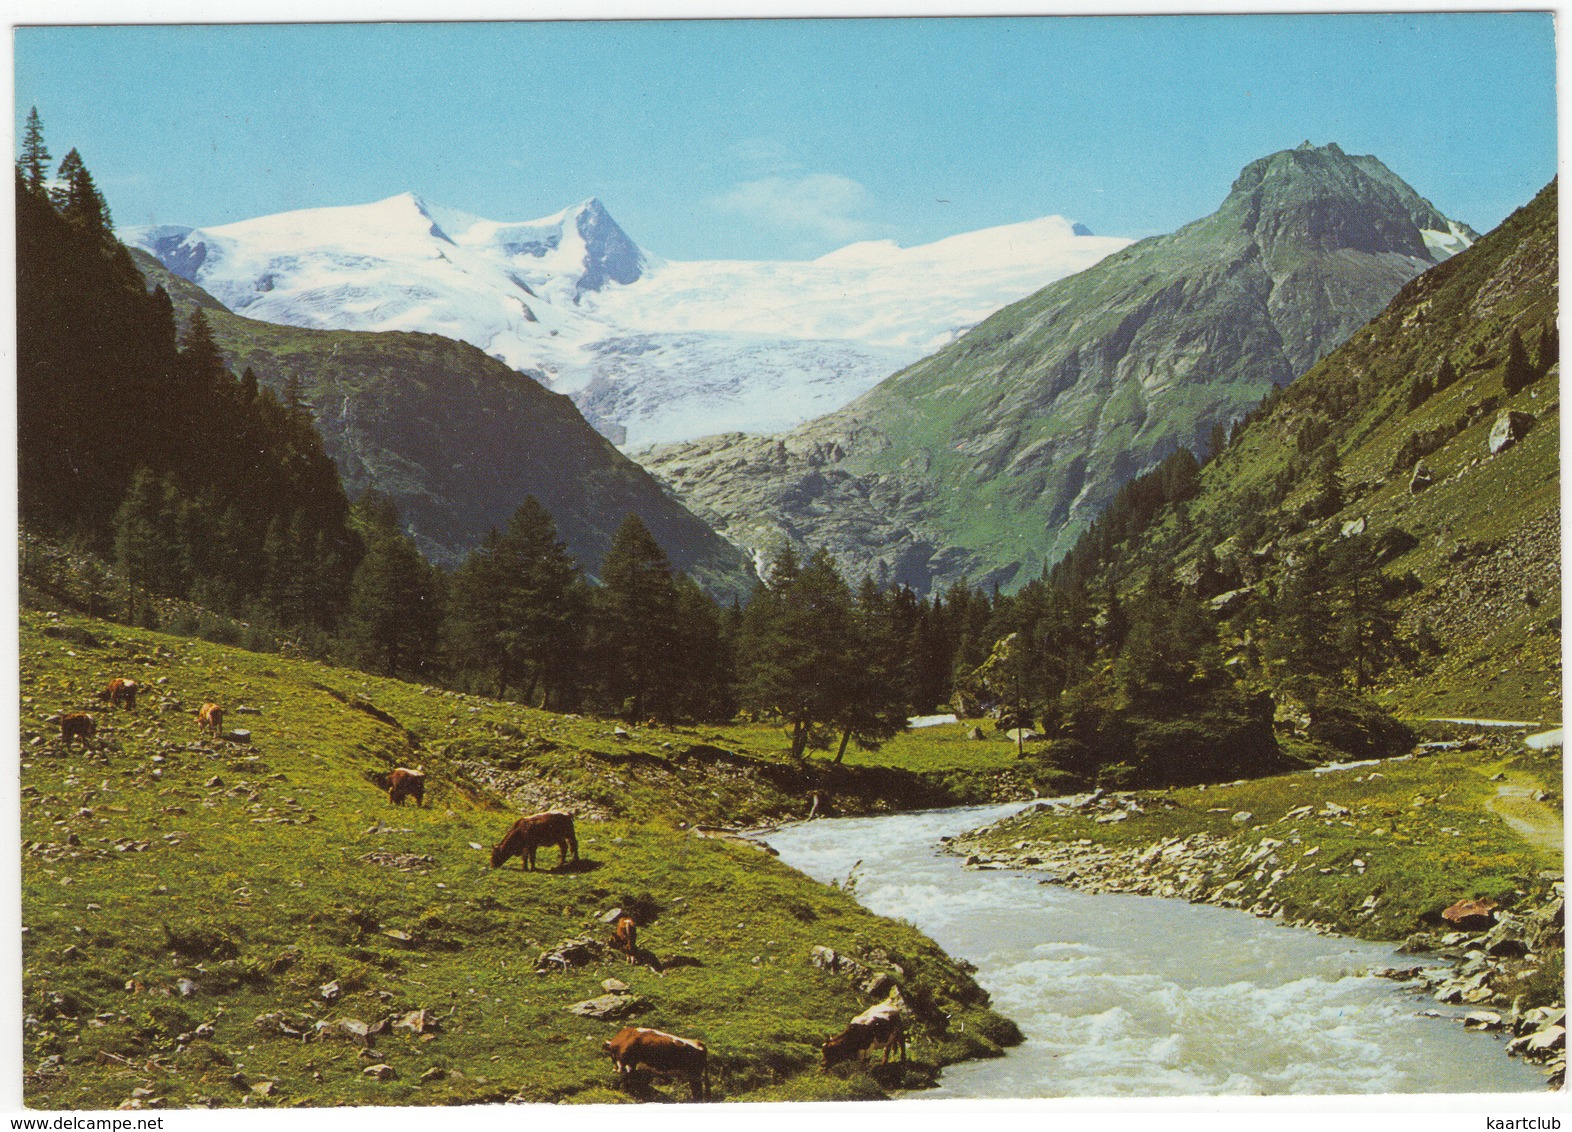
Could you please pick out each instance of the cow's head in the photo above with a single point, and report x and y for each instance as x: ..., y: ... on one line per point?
x: 837, y: 1050
x: 497, y: 855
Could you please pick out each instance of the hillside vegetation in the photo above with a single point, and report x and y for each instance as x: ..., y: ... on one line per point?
x: 1432, y: 438
x: 985, y: 461
x: 457, y: 439
x: 207, y: 922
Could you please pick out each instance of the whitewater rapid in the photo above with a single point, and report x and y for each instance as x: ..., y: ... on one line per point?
x: 1141, y: 996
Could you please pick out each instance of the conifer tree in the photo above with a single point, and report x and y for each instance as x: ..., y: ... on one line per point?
x: 394, y: 610
x: 1549, y: 352
x: 539, y: 612
x: 35, y: 156
x: 1518, y: 373
x: 638, y: 622
x: 476, y: 626
x: 65, y: 175
x: 871, y: 708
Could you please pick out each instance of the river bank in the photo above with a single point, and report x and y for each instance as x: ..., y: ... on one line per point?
x: 1122, y: 996
x: 1380, y: 853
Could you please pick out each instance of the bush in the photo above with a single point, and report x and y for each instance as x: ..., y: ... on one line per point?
x: 1354, y: 725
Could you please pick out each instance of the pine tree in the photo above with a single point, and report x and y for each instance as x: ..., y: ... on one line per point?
x: 395, y: 615
x: 35, y: 156
x: 539, y: 614
x: 638, y: 622
x: 798, y: 653
x: 1549, y: 352
x: 200, y: 351
x: 1518, y: 373
x: 477, y: 627
x: 65, y: 178
x: 872, y: 707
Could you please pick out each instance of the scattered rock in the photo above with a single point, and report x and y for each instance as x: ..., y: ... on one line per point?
x: 1422, y: 478
x: 1481, y: 1020
x: 570, y: 953
x: 1243, y: 817
x: 346, y: 1029
x: 614, y: 986
x: 609, y: 1006
x: 330, y: 991
x: 381, y: 1071
x: 417, y: 1022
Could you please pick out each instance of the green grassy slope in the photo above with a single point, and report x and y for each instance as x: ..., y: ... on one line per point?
x: 177, y: 889
x: 1484, y: 541
x: 1372, y: 852
x: 458, y: 439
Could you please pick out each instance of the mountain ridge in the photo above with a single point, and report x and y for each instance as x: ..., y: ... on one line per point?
x: 458, y: 439
x: 650, y: 349
x: 1007, y: 442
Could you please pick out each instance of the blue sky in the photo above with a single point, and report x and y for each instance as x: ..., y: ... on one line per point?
x: 789, y: 138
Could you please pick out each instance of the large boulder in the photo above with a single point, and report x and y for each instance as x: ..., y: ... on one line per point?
x: 1510, y: 427
x: 1422, y: 478
x: 1470, y: 915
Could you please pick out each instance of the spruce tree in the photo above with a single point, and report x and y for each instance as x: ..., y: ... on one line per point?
x: 872, y: 707
x: 539, y: 614
x: 476, y: 626
x: 1518, y: 373
x: 35, y: 156
x: 638, y: 622
x: 1549, y: 352
x: 394, y: 608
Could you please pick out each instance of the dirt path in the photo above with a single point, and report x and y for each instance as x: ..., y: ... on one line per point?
x: 1538, y: 824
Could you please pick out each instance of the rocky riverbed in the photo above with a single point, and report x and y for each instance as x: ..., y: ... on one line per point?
x: 1483, y: 959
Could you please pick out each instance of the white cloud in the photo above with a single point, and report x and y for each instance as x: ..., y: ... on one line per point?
x: 819, y: 204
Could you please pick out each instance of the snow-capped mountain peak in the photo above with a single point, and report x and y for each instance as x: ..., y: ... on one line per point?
x: 651, y: 350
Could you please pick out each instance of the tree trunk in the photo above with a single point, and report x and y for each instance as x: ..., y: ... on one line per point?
x: 845, y: 738
x: 799, y: 739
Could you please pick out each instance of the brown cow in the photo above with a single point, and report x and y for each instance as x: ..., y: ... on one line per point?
x: 625, y: 937
x: 554, y: 827
x: 210, y: 717
x: 878, y: 1027
x: 77, y: 725
x: 120, y: 693
x: 405, y: 783
x: 638, y: 1048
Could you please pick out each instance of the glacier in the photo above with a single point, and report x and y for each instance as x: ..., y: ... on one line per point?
x: 651, y: 350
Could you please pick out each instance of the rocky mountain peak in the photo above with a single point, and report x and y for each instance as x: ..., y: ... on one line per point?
x: 1320, y: 198
x: 609, y: 255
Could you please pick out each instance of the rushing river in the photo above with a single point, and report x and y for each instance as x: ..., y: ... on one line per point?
x: 1141, y: 996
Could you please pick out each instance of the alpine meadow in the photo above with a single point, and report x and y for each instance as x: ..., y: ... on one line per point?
x: 900, y: 644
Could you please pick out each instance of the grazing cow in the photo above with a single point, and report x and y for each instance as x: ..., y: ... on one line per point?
x: 878, y: 1027
x: 77, y: 725
x: 405, y: 783
x: 120, y: 693
x: 210, y: 717
x: 625, y: 937
x: 554, y: 827
x: 638, y: 1048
